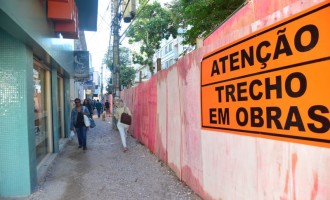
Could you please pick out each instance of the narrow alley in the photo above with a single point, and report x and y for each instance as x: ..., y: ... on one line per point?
x: 104, y: 171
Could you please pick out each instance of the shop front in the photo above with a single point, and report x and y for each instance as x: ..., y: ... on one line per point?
x: 41, y: 111
x: 37, y: 73
x: 36, y: 68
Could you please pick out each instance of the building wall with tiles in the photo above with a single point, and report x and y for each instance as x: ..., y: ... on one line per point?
x: 17, y: 141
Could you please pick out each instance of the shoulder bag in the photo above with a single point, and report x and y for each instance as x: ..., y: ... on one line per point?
x: 87, y: 121
x: 92, y: 125
x: 125, y: 118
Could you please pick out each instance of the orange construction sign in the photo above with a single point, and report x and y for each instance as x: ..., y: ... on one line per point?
x: 274, y: 83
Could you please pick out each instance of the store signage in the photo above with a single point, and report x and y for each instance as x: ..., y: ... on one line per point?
x: 273, y: 83
x: 81, y: 64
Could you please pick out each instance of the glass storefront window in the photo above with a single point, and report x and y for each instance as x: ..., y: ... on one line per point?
x: 40, y: 113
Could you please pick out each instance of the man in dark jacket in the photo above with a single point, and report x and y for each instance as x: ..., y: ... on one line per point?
x: 99, y: 107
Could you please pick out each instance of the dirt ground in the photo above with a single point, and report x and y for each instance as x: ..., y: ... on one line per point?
x: 104, y: 171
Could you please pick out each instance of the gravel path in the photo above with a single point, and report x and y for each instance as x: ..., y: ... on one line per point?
x: 105, y: 172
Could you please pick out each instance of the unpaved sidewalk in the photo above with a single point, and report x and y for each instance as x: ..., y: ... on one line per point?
x: 104, y: 172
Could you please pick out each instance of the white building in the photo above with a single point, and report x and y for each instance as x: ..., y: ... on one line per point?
x: 171, y: 50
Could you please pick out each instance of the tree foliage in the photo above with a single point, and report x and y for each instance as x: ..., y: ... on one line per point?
x: 109, y: 87
x: 202, y: 17
x: 127, y: 76
x: 153, y: 24
x: 124, y: 57
x: 127, y: 72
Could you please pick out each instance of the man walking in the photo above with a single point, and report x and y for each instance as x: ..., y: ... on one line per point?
x: 99, y: 107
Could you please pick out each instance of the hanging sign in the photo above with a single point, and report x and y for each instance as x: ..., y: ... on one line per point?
x: 81, y: 64
x: 273, y: 83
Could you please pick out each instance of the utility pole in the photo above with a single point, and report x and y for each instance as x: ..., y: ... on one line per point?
x: 130, y: 13
x: 115, y: 75
x: 116, y: 27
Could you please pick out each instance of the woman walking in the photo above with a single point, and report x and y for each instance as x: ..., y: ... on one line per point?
x: 77, y: 122
x: 88, y: 104
x: 123, y: 128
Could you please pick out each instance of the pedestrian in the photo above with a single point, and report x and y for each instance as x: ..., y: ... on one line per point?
x: 107, y: 107
x: 123, y: 128
x: 115, y: 106
x: 93, y: 104
x: 77, y: 122
x: 99, y: 107
x: 89, y: 107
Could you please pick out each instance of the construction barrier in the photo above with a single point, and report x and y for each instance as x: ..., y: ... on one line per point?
x: 216, y: 140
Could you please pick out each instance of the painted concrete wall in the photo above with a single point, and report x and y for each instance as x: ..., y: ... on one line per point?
x: 167, y: 119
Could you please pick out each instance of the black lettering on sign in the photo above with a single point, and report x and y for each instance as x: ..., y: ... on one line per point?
x: 323, y: 121
x: 215, y: 68
x: 294, y: 119
x: 242, y: 116
x: 213, y: 115
x: 263, y: 57
x: 314, y: 38
x: 264, y: 53
x: 273, y: 115
x: 219, y: 116
x: 282, y: 45
x: 256, y: 117
x: 273, y: 82
x: 302, y: 84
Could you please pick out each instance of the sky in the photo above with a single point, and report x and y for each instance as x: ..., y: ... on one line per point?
x: 98, y: 42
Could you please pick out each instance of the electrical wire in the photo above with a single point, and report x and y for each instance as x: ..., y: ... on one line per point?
x: 137, y: 15
x: 102, y: 17
x: 116, y: 16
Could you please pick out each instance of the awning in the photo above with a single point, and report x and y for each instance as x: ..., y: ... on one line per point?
x: 87, y: 14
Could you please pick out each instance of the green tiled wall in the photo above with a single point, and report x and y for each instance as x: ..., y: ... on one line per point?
x: 17, y: 140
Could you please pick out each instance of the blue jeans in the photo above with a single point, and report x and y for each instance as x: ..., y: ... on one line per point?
x: 81, y: 134
x: 99, y: 113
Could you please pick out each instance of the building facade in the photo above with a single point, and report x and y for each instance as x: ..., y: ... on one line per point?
x: 37, y: 72
x: 171, y: 50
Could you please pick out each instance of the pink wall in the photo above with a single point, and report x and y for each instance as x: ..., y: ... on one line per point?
x: 256, y: 14
x: 167, y: 119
